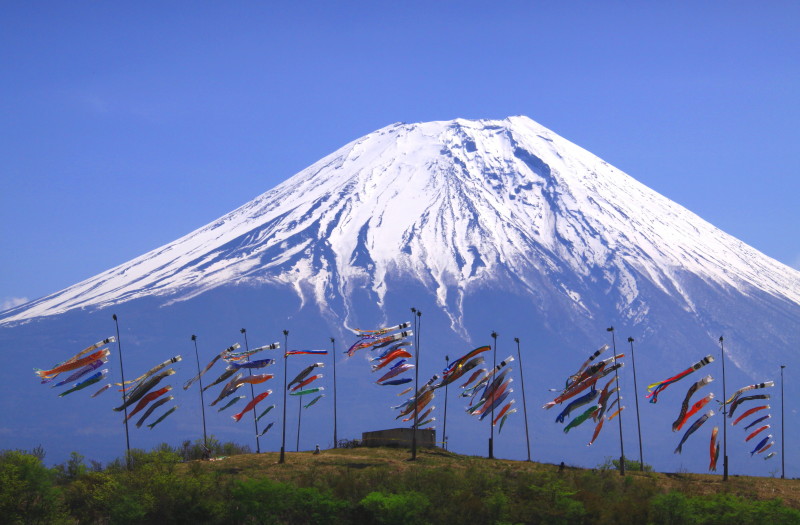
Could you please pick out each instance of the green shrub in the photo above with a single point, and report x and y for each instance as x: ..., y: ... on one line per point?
x: 267, y: 502
x: 396, y: 509
x: 27, y: 492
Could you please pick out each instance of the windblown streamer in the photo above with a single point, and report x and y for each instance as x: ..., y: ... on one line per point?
x: 580, y: 419
x: 163, y: 417
x: 689, y: 393
x: 761, y: 445
x: 223, y: 377
x: 94, y: 378
x: 152, y: 371
x: 393, y: 373
x: 152, y: 408
x: 305, y: 352
x: 306, y: 382
x: 756, y: 432
x: 389, y: 358
x: 583, y: 385
x: 656, y: 388
x: 695, y: 408
x: 102, y: 389
x: 256, y: 400
x: 756, y: 386
x: 744, y: 399
x: 259, y: 363
x: 232, y: 402
x: 238, y: 356
x: 74, y: 364
x: 149, y: 397
x: 82, y: 372
x: 306, y: 392
x: 219, y: 356
x: 313, y: 401
x: 579, y: 402
x: 77, y: 356
x: 750, y: 412
x: 395, y: 382
x: 304, y: 373
x: 693, y: 428
x: 265, y: 412
x: 503, y: 421
x: 597, y: 430
x: 266, y: 429
x: 757, y: 421
x: 714, y: 450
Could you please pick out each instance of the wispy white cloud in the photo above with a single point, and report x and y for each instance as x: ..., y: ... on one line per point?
x: 11, y: 302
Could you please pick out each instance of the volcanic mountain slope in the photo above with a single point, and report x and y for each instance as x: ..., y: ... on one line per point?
x: 459, y: 206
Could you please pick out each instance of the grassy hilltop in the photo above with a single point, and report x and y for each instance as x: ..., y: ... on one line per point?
x: 376, y: 485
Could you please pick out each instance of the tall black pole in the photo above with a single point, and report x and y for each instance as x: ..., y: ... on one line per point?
x: 783, y: 455
x: 333, y: 353
x: 524, y: 405
x: 444, y: 431
x: 243, y: 331
x: 283, y: 430
x: 418, y: 322
x: 124, y: 396
x: 619, y: 415
x: 636, y: 398
x: 491, y: 420
x: 724, y: 415
x: 202, y: 402
x: 299, y: 421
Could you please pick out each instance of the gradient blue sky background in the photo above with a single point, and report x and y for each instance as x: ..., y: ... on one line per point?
x: 125, y: 125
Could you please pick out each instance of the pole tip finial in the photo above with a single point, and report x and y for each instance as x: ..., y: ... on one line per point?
x: 721, y: 339
x: 332, y: 340
x: 242, y: 331
x: 194, y: 337
x: 114, y: 317
x: 631, y: 339
x: 494, y: 334
x: 286, y: 332
x: 516, y: 339
x: 610, y: 328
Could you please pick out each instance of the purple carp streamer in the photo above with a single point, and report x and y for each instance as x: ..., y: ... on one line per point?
x: 757, y: 421
x: 685, y: 405
x: 152, y: 409
x: 82, y: 372
x: 659, y: 386
x: 95, y: 378
x: 163, y: 417
x: 692, y: 429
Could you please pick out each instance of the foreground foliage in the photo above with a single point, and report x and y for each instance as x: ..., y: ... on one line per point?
x: 162, y: 487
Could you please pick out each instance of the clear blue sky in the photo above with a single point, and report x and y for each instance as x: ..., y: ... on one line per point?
x: 124, y: 125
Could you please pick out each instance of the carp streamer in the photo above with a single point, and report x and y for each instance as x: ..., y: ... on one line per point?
x: 656, y: 388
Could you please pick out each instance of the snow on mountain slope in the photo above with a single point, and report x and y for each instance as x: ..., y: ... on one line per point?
x: 456, y: 205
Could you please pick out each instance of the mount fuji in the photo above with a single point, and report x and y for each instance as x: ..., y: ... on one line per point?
x: 482, y: 225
